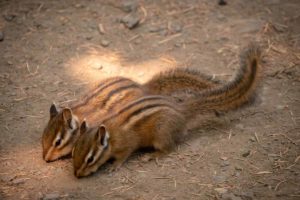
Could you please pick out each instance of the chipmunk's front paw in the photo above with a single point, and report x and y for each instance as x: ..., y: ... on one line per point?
x: 116, y: 166
x: 113, y: 169
x: 146, y: 158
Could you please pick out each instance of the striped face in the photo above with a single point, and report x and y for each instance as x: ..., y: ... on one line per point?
x: 91, y: 150
x: 60, y: 134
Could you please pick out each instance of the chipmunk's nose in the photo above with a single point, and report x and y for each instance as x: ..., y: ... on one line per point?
x: 47, y: 158
x: 77, y: 174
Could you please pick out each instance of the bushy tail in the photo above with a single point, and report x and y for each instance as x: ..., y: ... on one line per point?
x: 179, y: 79
x: 233, y: 94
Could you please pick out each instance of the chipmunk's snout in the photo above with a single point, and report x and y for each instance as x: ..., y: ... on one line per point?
x: 48, y: 155
x: 46, y: 159
x: 77, y: 174
x: 44, y: 156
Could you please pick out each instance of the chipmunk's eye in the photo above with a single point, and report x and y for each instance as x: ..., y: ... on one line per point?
x: 58, y: 142
x: 90, y: 160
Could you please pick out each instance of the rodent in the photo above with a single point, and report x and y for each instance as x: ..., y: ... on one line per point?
x: 159, y: 122
x: 61, y: 132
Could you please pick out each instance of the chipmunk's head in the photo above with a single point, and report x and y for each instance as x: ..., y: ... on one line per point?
x: 91, y: 150
x: 60, y: 133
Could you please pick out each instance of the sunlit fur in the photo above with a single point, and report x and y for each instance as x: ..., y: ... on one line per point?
x: 97, y: 104
x: 110, y: 95
x: 159, y: 122
x: 58, y: 129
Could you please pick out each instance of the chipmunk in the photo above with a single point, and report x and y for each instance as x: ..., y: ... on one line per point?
x: 61, y: 132
x: 158, y: 121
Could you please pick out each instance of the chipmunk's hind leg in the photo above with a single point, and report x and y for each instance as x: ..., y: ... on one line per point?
x: 161, y: 149
x: 167, y: 134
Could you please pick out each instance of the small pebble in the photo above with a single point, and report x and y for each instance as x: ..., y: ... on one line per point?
x: 224, y: 158
x: 237, y: 173
x: 178, y: 44
x: 225, y: 163
x: 237, y: 167
x: 130, y: 21
x: 105, y: 43
x: 246, y: 153
x: 129, y: 6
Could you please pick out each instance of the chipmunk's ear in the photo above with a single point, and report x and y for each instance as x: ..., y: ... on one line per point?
x: 102, y: 136
x: 83, y: 127
x: 54, y: 110
x: 68, y: 118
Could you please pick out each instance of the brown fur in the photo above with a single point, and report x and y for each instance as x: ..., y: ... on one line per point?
x: 158, y: 121
x: 234, y: 94
x: 110, y: 95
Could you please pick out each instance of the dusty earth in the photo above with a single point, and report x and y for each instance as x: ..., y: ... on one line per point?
x: 56, y: 50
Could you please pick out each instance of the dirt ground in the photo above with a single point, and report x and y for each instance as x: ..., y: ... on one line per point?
x: 56, y: 50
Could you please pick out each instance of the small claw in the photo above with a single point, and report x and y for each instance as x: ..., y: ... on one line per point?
x: 147, y: 158
x: 114, y: 168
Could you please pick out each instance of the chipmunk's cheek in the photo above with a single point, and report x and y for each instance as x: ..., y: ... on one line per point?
x: 65, y: 151
x: 92, y: 169
x: 53, y: 154
x: 52, y: 157
x: 88, y: 171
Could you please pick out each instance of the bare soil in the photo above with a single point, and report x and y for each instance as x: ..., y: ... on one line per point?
x: 56, y: 50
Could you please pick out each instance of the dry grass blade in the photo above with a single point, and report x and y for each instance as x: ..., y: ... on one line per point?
x: 101, y: 28
x: 256, y: 137
x: 296, y: 160
x: 170, y: 38
x: 276, y: 187
x: 145, y: 14
x: 263, y: 172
